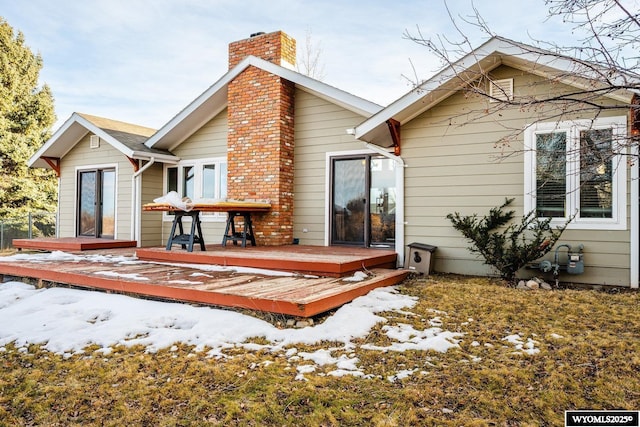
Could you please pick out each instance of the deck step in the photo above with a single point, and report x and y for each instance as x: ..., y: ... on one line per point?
x: 314, y: 260
x: 71, y: 244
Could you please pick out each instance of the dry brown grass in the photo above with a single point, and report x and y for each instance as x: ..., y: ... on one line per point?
x: 593, y: 365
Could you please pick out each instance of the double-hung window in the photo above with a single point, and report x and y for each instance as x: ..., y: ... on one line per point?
x: 577, y: 168
x: 202, y: 179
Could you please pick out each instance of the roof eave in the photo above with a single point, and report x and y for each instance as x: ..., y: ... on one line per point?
x: 425, y: 96
x: 36, y: 159
x: 214, y: 100
x: 68, y: 136
x: 491, y: 54
x: 158, y: 157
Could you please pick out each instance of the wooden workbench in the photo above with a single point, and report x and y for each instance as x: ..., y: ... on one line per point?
x: 232, y: 208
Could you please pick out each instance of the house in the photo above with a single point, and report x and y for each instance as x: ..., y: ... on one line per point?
x: 451, y: 133
x: 340, y: 170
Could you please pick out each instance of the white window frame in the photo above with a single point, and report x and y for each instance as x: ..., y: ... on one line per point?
x: 198, y: 165
x: 618, y: 125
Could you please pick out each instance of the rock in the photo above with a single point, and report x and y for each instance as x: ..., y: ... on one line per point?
x: 545, y: 286
x: 522, y: 285
x: 304, y: 323
x: 532, y: 284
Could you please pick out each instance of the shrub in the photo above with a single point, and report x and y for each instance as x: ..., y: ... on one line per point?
x: 507, y: 248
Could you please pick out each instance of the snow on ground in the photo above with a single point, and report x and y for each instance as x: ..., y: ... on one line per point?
x: 529, y: 347
x: 66, y: 321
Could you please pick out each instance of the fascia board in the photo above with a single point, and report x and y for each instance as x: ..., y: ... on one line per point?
x: 162, y: 158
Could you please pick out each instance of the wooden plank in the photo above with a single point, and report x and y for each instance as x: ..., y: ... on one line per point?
x: 221, y: 206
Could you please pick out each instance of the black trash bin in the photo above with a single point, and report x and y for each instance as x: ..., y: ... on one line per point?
x: 419, y: 258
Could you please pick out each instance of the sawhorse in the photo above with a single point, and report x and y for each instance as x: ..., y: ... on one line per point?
x: 186, y: 241
x: 242, y: 236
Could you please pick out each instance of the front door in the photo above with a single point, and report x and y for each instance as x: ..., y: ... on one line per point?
x: 96, y: 203
x: 363, y: 198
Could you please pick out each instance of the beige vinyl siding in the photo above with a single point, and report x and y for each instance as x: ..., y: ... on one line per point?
x: 207, y: 142
x: 453, y: 164
x: 320, y: 127
x: 151, y: 222
x: 82, y: 156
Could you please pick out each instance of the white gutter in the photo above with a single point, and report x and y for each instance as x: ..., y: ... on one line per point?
x: 399, y: 247
x: 136, y: 201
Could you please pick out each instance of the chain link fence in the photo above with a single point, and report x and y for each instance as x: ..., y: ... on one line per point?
x: 29, y: 226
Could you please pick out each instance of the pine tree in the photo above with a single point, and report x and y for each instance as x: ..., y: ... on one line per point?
x: 26, y: 116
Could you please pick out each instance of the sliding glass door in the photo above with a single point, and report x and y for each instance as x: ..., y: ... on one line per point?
x: 349, y: 201
x: 363, y: 201
x: 96, y: 203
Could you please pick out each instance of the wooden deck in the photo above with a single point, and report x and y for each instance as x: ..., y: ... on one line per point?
x: 205, y: 282
x: 71, y: 244
x: 331, y: 261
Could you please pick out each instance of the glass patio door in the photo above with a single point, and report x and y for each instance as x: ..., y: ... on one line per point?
x: 363, y: 201
x: 349, y: 201
x: 96, y: 203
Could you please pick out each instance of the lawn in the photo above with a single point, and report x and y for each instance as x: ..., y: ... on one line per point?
x: 522, y: 358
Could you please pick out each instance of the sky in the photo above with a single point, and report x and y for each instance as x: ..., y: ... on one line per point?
x: 142, y: 61
x: 67, y: 321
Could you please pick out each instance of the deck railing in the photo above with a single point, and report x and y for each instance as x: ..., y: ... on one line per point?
x: 28, y: 226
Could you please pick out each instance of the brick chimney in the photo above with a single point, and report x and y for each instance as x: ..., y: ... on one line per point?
x: 260, y: 138
x: 276, y: 47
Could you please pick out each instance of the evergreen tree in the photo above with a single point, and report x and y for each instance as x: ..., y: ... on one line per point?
x: 505, y: 245
x: 26, y: 116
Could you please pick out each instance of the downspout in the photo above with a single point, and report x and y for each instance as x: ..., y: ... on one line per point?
x: 635, y: 221
x: 399, y: 198
x: 136, y: 201
x: 58, y: 212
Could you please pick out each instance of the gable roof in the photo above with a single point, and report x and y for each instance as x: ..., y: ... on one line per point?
x: 214, y: 100
x: 495, y: 52
x: 127, y: 138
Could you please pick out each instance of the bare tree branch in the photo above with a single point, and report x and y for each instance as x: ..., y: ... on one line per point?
x: 309, y: 59
x: 598, y: 77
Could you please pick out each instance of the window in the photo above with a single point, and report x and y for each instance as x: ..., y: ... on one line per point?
x: 198, y: 179
x: 189, y: 177
x: 551, y: 174
x: 577, y: 168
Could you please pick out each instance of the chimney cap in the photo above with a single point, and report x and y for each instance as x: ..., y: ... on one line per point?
x: 259, y: 33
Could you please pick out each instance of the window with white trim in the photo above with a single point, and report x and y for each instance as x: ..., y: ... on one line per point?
x: 577, y: 168
x: 198, y: 179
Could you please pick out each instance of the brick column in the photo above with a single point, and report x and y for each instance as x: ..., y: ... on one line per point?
x: 261, y: 142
